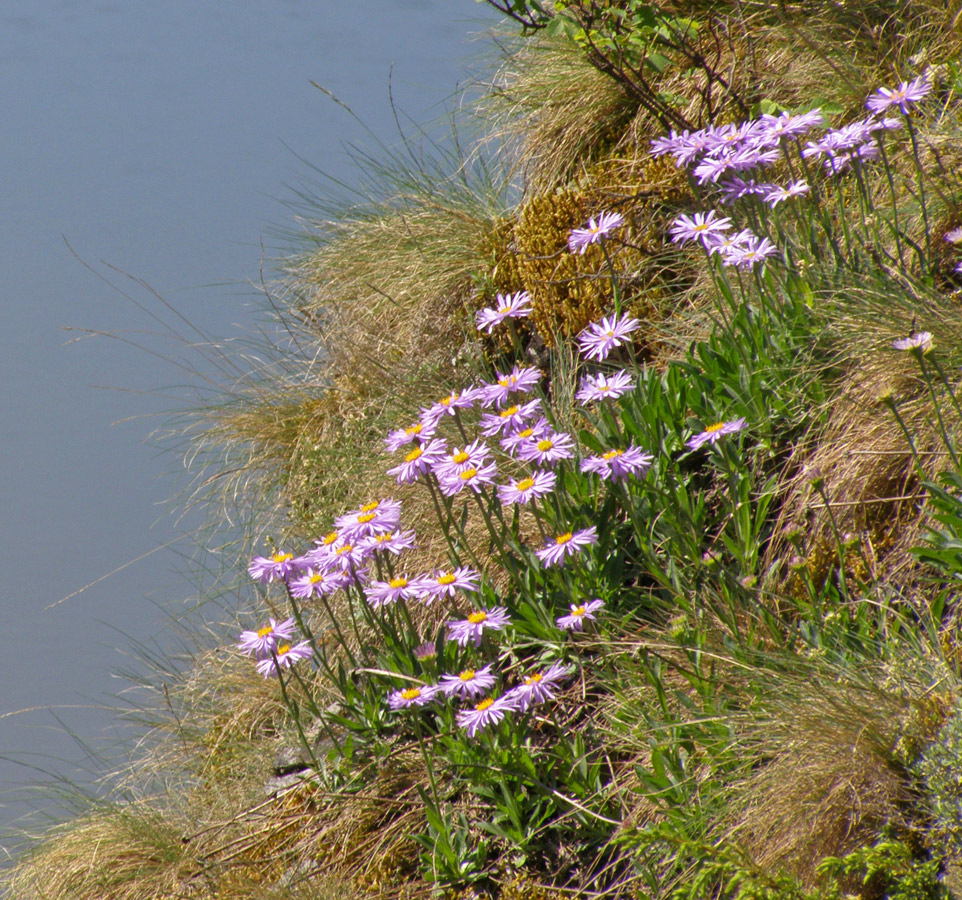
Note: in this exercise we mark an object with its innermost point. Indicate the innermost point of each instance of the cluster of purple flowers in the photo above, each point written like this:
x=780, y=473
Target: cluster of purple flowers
x=271, y=646
x=534, y=689
x=742, y=248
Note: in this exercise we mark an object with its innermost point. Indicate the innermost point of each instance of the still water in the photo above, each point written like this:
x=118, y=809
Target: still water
x=148, y=147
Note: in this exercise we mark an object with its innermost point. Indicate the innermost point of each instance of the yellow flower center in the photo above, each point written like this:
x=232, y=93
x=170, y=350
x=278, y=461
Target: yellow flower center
x=484, y=704
x=366, y=517
x=563, y=538
x=476, y=618
x=578, y=611
x=398, y=582
x=266, y=630
x=701, y=226
x=717, y=426
x=503, y=309
x=447, y=578
x=316, y=577
x=510, y=411
x=504, y=382
x=284, y=648
x=532, y=679
x=447, y=401
x=412, y=430
x=467, y=675
x=460, y=457
x=413, y=455
x=525, y=484
x=282, y=557
x=468, y=474
x=347, y=548
x=526, y=433
x=612, y=454
x=411, y=693
x=545, y=444
x=329, y=539
x=370, y=507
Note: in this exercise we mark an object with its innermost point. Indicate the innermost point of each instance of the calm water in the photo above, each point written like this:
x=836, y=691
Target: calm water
x=155, y=139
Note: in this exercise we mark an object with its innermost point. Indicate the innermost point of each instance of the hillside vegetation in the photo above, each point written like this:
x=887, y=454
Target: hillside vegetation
x=606, y=494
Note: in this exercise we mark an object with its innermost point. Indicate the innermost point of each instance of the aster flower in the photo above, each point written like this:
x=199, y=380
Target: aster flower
x=517, y=381
x=618, y=465
x=537, y=688
x=605, y=387
x=385, y=593
x=473, y=627
x=344, y=555
x=446, y=582
x=448, y=406
x=777, y=194
x=475, y=477
x=317, y=583
x=389, y=542
x=419, y=461
x=260, y=643
x=419, y=431
x=468, y=684
x=549, y=448
x=567, y=544
x=713, y=433
x=460, y=458
x=372, y=518
x=412, y=696
x=283, y=657
x=580, y=613
x=535, y=485
x=751, y=253
x=954, y=236
x=266, y=568
x=774, y=128
x=512, y=418
x=712, y=168
x=512, y=306
x=595, y=231
x=600, y=338
x=736, y=188
x=907, y=93
x=484, y=713
x=725, y=244
x=511, y=442
x=697, y=227
x=920, y=341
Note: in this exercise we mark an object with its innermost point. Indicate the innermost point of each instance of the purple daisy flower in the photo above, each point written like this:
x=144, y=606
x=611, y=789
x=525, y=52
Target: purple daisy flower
x=713, y=433
x=474, y=477
x=907, y=93
x=600, y=338
x=468, y=684
x=372, y=518
x=484, y=713
x=399, y=437
x=266, y=568
x=283, y=657
x=751, y=253
x=460, y=458
x=726, y=244
x=344, y=555
x=549, y=448
x=473, y=627
x=595, y=231
x=317, y=583
x=511, y=442
x=786, y=125
x=777, y=194
x=618, y=465
x=389, y=542
x=535, y=485
x=260, y=643
x=698, y=227
x=605, y=387
x=510, y=419
x=385, y=593
x=517, y=381
x=448, y=406
x=920, y=341
x=446, y=582
x=580, y=613
x=736, y=188
x=567, y=544
x=954, y=236
x=537, y=688
x=412, y=696
x=419, y=461
x=512, y=306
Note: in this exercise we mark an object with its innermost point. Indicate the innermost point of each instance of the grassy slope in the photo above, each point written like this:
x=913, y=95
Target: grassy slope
x=769, y=692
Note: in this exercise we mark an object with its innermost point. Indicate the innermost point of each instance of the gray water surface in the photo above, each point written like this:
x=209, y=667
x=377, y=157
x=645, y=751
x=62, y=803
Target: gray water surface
x=149, y=142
